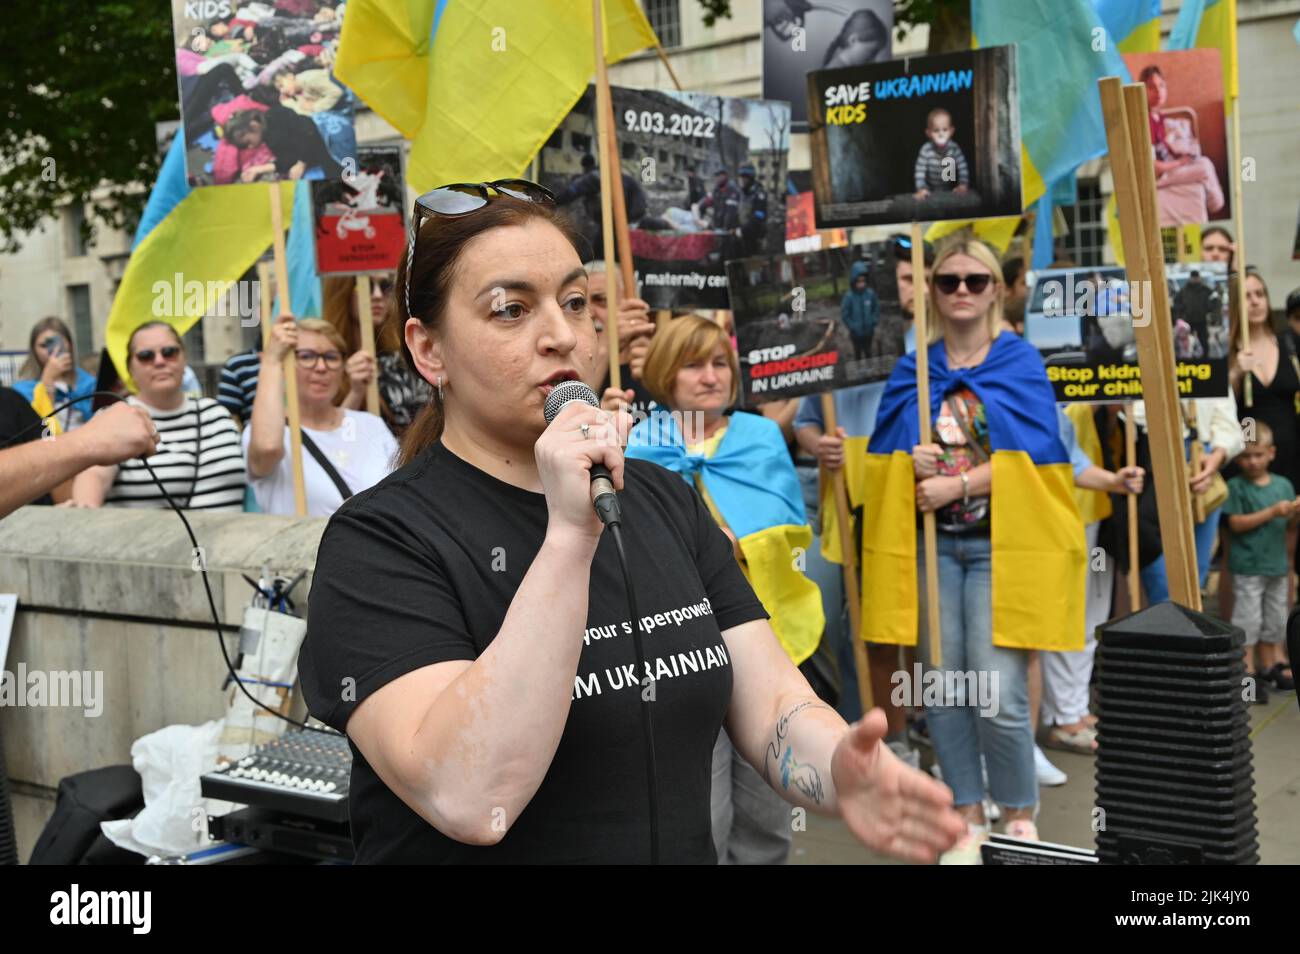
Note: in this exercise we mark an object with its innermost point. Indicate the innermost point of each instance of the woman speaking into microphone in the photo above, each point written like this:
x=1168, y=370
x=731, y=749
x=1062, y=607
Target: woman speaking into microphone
x=469, y=626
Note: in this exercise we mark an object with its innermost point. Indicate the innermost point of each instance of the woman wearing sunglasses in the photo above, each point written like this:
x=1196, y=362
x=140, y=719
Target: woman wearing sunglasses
x=198, y=458
x=402, y=392
x=344, y=451
x=991, y=407
x=469, y=626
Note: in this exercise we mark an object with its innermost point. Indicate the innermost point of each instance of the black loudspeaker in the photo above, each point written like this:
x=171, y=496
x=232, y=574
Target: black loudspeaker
x=1174, y=772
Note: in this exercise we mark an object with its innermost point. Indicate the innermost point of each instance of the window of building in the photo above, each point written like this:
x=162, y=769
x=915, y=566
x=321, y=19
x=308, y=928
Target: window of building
x=193, y=341
x=1085, y=245
x=665, y=18
x=83, y=328
x=74, y=218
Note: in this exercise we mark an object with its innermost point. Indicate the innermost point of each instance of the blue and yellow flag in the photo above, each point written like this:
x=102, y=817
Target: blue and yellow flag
x=1133, y=25
x=1210, y=23
x=1039, y=555
x=750, y=482
x=193, y=244
x=478, y=85
x=1062, y=49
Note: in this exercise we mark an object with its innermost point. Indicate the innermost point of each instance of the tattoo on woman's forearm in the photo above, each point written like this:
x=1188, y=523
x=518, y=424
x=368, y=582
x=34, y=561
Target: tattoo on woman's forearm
x=791, y=771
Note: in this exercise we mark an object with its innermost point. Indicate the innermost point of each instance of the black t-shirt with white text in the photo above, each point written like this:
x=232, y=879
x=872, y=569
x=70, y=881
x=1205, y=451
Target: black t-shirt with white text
x=421, y=569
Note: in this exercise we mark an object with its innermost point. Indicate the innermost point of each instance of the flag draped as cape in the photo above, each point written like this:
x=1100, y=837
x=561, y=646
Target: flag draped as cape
x=1039, y=558
x=752, y=483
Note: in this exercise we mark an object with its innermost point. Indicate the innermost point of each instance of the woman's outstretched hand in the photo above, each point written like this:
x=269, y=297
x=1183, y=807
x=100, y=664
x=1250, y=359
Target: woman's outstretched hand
x=889, y=806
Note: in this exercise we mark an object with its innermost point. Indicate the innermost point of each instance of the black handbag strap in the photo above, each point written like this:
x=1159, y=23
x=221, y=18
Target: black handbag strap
x=310, y=446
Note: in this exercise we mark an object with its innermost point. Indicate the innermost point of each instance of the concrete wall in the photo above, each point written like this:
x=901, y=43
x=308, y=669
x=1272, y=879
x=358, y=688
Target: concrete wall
x=114, y=591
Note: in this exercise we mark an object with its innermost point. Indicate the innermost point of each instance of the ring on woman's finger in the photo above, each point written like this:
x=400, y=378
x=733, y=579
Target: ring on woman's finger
x=584, y=428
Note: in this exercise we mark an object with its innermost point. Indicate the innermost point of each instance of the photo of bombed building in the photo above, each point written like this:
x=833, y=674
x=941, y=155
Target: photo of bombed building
x=703, y=178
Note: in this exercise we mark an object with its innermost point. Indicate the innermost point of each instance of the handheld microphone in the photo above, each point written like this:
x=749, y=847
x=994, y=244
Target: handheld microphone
x=603, y=496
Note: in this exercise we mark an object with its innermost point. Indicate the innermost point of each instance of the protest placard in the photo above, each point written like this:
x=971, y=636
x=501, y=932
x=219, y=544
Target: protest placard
x=1184, y=90
x=917, y=139
x=1082, y=323
x=816, y=321
x=798, y=37
x=704, y=182
x=359, y=218
x=258, y=102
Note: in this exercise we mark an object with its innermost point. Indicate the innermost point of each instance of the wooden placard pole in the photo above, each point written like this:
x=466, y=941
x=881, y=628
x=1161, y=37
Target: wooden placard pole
x=622, y=234
x=1130, y=460
x=928, y=529
x=1128, y=138
x=290, y=360
x=852, y=593
x=1239, y=251
x=1196, y=460
x=367, y=324
x=604, y=112
x=1137, y=116
x=267, y=301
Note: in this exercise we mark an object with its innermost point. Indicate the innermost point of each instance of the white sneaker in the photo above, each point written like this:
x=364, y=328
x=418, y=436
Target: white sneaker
x=1048, y=774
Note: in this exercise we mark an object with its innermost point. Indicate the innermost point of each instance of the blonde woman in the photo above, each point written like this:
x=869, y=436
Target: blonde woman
x=742, y=470
x=990, y=403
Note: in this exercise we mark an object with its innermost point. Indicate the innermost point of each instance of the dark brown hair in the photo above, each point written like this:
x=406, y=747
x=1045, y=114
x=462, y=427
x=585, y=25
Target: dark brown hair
x=442, y=240
x=339, y=308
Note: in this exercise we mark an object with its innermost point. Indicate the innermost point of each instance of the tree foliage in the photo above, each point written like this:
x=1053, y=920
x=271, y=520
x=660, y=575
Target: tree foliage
x=82, y=84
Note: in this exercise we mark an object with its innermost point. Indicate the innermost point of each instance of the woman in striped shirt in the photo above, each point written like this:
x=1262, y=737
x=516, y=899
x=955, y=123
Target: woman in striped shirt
x=198, y=460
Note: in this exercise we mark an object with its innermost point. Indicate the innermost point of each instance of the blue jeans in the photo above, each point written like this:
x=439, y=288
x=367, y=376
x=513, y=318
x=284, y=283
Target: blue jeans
x=998, y=725
x=1154, y=578
x=830, y=580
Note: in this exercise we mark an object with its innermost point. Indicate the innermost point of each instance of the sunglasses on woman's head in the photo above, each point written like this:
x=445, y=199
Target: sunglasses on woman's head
x=147, y=355
x=948, y=283
x=463, y=198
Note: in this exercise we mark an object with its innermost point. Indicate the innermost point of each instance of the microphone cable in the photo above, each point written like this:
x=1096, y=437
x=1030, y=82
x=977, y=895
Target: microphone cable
x=203, y=567
x=647, y=724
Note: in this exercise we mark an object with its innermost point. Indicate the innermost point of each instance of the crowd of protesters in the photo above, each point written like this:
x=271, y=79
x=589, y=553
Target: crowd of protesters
x=167, y=445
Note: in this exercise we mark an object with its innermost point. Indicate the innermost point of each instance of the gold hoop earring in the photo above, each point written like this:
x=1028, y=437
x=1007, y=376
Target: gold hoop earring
x=440, y=387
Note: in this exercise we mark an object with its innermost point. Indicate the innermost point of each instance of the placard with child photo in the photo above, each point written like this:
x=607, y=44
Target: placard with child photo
x=917, y=139
x=258, y=100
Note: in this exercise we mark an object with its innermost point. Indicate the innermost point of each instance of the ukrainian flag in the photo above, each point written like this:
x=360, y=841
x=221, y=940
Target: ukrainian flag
x=1210, y=23
x=1060, y=112
x=750, y=483
x=1133, y=25
x=478, y=85
x=1039, y=556
x=211, y=235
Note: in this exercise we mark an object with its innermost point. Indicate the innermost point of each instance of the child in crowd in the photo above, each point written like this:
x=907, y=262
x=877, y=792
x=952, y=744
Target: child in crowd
x=1259, y=507
x=940, y=165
